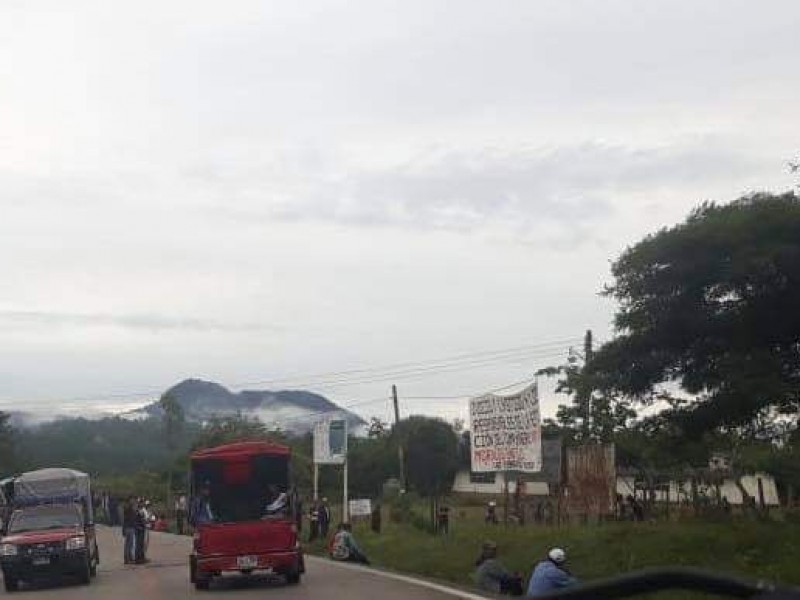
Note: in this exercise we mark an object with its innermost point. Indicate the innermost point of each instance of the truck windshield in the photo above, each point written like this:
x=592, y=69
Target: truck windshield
x=44, y=517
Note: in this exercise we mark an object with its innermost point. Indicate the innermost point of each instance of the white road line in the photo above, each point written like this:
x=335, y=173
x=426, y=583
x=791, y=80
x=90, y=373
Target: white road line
x=404, y=578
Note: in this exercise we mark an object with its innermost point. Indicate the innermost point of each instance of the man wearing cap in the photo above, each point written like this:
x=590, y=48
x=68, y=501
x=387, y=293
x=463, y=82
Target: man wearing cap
x=551, y=574
x=491, y=513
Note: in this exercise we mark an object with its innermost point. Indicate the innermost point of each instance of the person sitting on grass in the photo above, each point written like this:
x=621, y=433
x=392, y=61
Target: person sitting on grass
x=551, y=574
x=492, y=576
x=343, y=546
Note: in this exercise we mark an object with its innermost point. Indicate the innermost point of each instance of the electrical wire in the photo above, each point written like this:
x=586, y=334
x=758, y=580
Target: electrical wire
x=281, y=420
x=399, y=371
x=401, y=366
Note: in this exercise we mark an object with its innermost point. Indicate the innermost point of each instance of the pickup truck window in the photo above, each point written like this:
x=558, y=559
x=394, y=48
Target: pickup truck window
x=44, y=517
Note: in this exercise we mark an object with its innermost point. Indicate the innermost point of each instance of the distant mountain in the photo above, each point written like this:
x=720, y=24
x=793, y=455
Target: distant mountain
x=21, y=419
x=293, y=411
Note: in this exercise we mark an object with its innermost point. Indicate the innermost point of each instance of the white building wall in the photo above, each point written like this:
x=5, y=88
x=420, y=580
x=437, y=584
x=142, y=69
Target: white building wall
x=463, y=485
x=728, y=488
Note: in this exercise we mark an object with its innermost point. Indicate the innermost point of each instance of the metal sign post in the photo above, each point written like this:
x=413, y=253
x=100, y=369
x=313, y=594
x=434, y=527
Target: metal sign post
x=345, y=508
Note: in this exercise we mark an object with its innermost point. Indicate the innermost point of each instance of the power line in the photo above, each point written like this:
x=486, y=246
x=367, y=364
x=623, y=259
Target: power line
x=389, y=399
x=404, y=365
x=403, y=370
x=435, y=370
x=473, y=395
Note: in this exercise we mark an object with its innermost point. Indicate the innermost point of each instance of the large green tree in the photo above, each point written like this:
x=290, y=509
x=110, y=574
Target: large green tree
x=174, y=421
x=712, y=305
x=594, y=414
x=432, y=457
x=432, y=454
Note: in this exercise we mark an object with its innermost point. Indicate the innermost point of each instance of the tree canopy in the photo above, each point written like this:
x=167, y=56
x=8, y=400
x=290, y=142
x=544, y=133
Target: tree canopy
x=8, y=460
x=432, y=454
x=711, y=304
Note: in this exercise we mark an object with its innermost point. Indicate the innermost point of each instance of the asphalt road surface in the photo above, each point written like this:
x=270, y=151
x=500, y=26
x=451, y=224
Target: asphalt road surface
x=166, y=577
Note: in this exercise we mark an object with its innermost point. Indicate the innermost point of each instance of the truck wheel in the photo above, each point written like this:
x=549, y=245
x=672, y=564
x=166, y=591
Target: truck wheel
x=192, y=569
x=86, y=573
x=202, y=582
x=11, y=583
x=293, y=577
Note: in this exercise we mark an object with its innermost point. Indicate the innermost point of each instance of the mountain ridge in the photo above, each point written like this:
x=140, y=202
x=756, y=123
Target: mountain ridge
x=291, y=410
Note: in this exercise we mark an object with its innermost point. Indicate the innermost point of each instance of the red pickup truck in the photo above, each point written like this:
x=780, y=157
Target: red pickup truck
x=244, y=512
x=49, y=527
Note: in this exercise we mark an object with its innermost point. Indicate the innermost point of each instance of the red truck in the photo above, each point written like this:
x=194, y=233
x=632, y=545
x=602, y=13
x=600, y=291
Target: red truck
x=244, y=512
x=48, y=527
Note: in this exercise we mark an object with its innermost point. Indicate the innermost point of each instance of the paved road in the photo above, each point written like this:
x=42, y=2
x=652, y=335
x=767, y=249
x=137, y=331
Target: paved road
x=166, y=577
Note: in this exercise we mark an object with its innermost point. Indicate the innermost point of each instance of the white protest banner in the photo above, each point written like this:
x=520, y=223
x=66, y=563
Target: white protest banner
x=330, y=442
x=506, y=432
x=360, y=508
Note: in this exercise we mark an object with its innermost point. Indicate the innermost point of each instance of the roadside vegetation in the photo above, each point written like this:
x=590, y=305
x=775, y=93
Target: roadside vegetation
x=767, y=550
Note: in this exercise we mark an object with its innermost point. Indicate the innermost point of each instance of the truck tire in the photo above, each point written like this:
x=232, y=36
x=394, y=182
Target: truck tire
x=192, y=569
x=202, y=581
x=85, y=576
x=293, y=577
x=11, y=583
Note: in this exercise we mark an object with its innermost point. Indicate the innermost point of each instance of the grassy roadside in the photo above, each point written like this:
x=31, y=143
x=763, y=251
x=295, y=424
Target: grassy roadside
x=760, y=550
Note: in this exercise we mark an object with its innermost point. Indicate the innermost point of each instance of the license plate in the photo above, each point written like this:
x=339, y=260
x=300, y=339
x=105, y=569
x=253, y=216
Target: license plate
x=42, y=560
x=247, y=562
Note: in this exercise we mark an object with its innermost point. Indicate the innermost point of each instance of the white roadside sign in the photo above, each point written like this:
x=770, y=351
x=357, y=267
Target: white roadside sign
x=360, y=508
x=330, y=441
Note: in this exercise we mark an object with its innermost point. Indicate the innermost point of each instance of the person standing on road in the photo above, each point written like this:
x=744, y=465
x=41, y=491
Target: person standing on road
x=551, y=574
x=129, y=531
x=113, y=510
x=141, y=532
x=313, y=521
x=324, y=517
x=149, y=521
x=180, y=513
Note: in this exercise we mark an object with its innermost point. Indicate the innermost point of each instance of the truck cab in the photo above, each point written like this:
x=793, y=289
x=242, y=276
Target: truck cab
x=49, y=529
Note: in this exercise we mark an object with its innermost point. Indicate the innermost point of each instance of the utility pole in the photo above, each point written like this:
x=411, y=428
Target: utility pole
x=587, y=346
x=400, y=457
x=588, y=352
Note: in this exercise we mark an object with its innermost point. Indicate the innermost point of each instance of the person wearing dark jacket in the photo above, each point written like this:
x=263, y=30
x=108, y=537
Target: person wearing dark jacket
x=129, y=531
x=324, y=517
x=113, y=511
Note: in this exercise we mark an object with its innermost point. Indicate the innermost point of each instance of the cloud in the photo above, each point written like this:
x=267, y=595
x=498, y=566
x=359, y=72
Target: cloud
x=526, y=189
x=11, y=319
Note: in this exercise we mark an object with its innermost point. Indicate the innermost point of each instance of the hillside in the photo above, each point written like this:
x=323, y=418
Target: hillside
x=292, y=411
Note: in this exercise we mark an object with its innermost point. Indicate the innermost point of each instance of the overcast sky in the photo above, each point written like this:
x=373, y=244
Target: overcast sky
x=249, y=191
